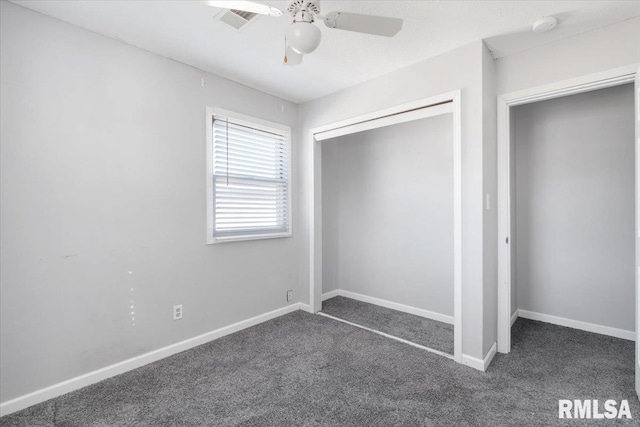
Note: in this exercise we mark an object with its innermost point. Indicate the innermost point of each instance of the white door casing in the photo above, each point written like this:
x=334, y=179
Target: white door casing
x=637, y=117
x=572, y=86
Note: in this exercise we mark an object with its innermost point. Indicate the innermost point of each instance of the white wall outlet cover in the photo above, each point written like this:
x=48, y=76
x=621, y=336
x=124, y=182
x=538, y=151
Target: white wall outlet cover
x=289, y=296
x=177, y=312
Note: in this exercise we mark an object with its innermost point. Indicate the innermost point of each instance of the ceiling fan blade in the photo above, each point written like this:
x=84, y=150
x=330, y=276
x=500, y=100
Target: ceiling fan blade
x=370, y=24
x=292, y=57
x=247, y=6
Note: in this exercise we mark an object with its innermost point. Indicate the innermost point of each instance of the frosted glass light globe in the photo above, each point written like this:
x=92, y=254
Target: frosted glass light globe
x=303, y=37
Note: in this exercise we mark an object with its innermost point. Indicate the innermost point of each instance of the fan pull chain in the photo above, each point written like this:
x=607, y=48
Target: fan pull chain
x=285, y=50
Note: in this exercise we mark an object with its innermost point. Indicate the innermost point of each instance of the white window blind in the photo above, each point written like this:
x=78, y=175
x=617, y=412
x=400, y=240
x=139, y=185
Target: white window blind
x=250, y=180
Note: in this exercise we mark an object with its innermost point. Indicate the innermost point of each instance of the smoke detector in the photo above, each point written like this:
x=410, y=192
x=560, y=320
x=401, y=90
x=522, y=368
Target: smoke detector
x=545, y=24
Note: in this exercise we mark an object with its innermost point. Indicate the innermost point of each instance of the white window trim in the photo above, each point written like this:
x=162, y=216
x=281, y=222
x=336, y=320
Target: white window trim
x=242, y=119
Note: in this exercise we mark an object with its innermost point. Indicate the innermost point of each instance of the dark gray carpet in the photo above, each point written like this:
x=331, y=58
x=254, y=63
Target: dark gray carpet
x=308, y=370
x=419, y=330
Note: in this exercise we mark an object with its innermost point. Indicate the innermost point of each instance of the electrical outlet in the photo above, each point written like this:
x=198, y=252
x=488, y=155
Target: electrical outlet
x=289, y=295
x=177, y=312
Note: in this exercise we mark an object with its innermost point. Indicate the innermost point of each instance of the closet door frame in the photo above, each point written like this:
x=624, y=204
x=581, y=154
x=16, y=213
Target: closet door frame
x=445, y=103
x=586, y=83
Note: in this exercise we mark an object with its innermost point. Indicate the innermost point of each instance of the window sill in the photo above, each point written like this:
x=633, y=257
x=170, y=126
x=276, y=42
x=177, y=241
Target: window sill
x=231, y=239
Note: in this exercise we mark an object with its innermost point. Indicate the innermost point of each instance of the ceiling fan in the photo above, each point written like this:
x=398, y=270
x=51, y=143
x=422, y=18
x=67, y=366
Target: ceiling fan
x=303, y=37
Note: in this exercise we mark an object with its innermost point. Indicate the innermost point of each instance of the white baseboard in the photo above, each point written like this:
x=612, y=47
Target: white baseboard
x=488, y=358
x=76, y=383
x=330, y=294
x=480, y=364
x=305, y=307
x=577, y=324
x=514, y=317
x=395, y=306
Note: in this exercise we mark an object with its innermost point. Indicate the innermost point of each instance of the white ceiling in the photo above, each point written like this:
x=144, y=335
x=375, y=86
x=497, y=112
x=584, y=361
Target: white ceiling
x=187, y=32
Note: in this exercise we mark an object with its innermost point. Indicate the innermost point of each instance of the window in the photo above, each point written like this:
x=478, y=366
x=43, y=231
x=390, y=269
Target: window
x=248, y=195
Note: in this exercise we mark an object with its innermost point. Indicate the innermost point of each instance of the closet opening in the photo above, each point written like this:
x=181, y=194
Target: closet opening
x=570, y=209
x=387, y=224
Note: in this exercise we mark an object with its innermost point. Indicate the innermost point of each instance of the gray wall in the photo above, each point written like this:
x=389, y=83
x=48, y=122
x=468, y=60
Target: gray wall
x=103, y=203
x=575, y=207
x=490, y=213
x=591, y=52
x=331, y=218
x=460, y=69
x=387, y=199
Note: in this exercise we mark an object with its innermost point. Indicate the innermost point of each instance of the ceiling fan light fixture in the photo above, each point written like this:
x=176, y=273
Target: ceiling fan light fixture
x=303, y=37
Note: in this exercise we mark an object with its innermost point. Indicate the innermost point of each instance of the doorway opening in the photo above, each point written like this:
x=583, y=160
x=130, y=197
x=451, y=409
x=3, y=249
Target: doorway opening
x=566, y=208
x=364, y=205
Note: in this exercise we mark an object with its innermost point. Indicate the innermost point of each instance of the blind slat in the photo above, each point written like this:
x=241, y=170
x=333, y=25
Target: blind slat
x=241, y=140
x=233, y=158
x=223, y=169
x=250, y=144
x=254, y=132
x=243, y=136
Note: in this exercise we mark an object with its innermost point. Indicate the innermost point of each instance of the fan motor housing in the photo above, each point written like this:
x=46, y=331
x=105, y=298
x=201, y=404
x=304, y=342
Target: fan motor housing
x=309, y=6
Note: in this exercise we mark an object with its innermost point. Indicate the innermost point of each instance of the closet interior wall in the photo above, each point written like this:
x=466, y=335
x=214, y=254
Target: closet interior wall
x=574, y=207
x=387, y=200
